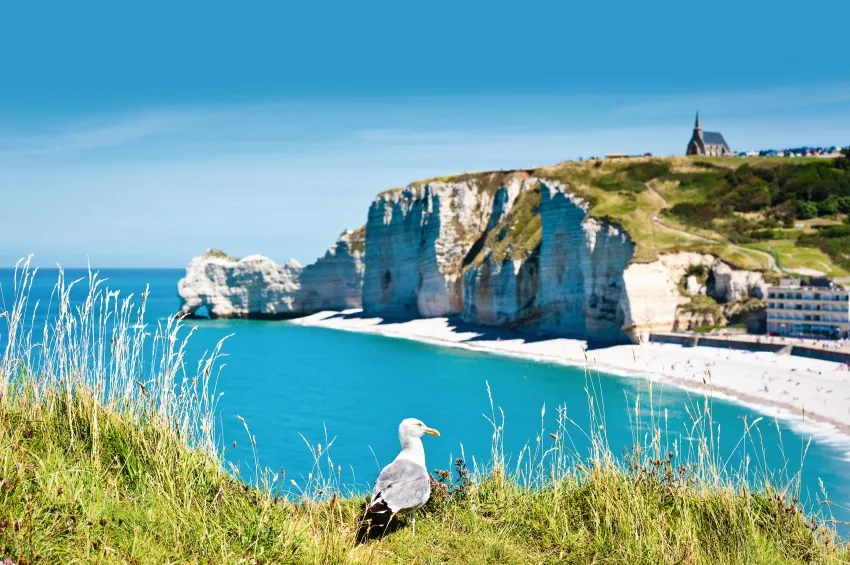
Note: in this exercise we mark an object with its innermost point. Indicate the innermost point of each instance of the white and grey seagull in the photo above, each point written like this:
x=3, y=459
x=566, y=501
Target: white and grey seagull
x=403, y=486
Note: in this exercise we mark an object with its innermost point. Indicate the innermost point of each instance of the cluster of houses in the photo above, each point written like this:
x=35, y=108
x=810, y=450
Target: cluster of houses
x=713, y=143
x=833, y=151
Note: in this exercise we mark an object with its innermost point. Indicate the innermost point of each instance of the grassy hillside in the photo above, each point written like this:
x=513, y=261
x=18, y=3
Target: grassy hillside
x=136, y=495
x=772, y=214
x=108, y=458
x=746, y=210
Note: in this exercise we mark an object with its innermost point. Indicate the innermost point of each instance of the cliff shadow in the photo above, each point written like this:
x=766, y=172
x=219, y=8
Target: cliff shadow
x=495, y=333
x=489, y=333
x=478, y=332
x=383, y=318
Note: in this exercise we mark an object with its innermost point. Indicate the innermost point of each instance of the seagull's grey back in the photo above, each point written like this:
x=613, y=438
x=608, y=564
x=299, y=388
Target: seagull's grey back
x=403, y=485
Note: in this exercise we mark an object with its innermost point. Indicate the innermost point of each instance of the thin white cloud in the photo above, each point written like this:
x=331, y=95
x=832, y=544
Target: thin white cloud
x=97, y=133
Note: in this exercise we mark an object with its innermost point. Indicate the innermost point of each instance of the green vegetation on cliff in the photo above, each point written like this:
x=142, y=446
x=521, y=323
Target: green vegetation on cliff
x=731, y=207
x=109, y=463
x=357, y=239
x=764, y=213
x=519, y=233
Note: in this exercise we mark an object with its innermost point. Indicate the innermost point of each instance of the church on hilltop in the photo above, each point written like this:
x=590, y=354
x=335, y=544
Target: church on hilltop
x=709, y=143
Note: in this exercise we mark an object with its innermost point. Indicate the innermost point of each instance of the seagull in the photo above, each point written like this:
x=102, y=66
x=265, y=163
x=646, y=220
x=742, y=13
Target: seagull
x=403, y=486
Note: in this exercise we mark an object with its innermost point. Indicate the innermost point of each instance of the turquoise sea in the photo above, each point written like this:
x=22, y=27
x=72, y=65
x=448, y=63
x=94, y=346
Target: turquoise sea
x=287, y=381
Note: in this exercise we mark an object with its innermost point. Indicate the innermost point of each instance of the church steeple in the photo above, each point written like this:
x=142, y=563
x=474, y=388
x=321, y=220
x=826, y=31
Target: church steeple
x=709, y=143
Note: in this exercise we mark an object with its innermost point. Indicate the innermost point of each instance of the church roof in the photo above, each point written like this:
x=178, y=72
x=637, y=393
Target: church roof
x=714, y=138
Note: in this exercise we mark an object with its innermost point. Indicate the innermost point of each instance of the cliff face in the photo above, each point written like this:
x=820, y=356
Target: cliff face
x=495, y=249
x=582, y=261
x=252, y=287
x=335, y=281
x=416, y=243
x=510, y=249
x=257, y=287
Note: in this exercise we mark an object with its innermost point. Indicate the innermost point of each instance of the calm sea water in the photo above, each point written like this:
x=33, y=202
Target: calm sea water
x=288, y=381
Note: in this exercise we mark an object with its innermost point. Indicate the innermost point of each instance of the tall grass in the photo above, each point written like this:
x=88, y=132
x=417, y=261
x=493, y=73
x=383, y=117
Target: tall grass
x=103, y=353
x=109, y=454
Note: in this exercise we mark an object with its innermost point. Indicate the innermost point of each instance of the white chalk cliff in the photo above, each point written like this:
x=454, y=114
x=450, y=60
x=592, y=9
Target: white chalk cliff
x=499, y=249
x=511, y=249
x=334, y=282
x=219, y=286
x=251, y=287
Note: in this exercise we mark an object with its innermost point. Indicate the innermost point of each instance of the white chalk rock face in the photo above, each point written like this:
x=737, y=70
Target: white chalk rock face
x=418, y=238
x=252, y=287
x=693, y=286
x=524, y=252
x=503, y=290
x=335, y=281
x=726, y=284
x=393, y=247
x=582, y=261
x=257, y=287
x=497, y=294
x=651, y=299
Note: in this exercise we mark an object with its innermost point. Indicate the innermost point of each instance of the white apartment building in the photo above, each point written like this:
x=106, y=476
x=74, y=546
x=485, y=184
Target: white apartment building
x=817, y=308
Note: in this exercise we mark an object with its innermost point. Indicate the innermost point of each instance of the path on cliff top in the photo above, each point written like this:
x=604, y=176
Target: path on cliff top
x=771, y=262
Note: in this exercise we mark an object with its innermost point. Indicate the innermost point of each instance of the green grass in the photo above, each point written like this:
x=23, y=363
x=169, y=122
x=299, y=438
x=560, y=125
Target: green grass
x=116, y=463
x=633, y=209
x=487, y=182
x=724, y=207
x=702, y=304
x=358, y=240
x=218, y=254
x=519, y=234
x=791, y=255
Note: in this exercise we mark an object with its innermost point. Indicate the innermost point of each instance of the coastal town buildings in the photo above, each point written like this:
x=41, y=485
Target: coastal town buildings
x=708, y=143
x=816, y=308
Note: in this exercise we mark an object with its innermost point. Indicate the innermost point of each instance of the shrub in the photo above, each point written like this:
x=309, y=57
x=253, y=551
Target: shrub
x=834, y=231
x=765, y=234
x=697, y=214
x=806, y=210
x=828, y=207
x=646, y=171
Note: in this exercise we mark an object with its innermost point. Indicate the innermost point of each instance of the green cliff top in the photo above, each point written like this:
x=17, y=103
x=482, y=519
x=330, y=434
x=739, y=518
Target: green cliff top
x=755, y=212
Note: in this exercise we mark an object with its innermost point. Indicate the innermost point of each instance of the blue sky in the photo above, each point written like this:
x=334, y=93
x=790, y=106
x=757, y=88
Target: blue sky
x=141, y=136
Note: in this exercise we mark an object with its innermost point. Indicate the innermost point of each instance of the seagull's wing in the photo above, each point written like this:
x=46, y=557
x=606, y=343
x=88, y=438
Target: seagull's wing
x=402, y=485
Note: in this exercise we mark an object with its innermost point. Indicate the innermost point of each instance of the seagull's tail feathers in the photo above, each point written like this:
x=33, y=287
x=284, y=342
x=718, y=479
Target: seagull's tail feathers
x=375, y=521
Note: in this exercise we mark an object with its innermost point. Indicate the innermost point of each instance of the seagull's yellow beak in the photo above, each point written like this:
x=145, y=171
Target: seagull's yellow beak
x=432, y=432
